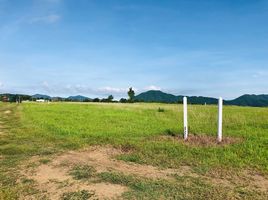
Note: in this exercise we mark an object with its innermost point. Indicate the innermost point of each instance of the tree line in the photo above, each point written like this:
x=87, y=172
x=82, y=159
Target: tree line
x=19, y=98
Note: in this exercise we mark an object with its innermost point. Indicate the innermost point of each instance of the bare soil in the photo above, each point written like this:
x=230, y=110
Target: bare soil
x=103, y=159
x=53, y=178
x=7, y=112
x=49, y=177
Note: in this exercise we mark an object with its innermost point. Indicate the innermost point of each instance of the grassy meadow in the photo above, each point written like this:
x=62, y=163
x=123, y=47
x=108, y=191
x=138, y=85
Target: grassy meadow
x=148, y=136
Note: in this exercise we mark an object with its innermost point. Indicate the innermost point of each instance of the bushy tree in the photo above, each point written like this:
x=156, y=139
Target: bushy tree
x=96, y=100
x=110, y=98
x=131, y=94
x=123, y=100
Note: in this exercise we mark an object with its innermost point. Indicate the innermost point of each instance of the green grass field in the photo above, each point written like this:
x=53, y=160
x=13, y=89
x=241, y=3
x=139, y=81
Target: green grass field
x=149, y=138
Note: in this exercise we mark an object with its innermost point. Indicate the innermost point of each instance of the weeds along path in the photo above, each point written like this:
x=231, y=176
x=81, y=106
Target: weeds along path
x=1, y=122
x=1, y=128
x=1, y=133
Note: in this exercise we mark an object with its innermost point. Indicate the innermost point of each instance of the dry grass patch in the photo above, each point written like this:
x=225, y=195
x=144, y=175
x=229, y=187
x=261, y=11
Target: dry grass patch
x=7, y=111
x=244, y=178
x=1, y=129
x=200, y=140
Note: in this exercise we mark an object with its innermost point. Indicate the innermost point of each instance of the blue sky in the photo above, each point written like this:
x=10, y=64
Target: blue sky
x=101, y=47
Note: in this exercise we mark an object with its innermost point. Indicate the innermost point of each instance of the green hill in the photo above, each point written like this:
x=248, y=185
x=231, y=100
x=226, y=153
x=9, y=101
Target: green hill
x=159, y=96
x=162, y=97
x=41, y=96
x=78, y=98
x=250, y=100
x=156, y=96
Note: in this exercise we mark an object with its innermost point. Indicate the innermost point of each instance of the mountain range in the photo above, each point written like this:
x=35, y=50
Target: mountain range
x=70, y=98
x=78, y=98
x=158, y=96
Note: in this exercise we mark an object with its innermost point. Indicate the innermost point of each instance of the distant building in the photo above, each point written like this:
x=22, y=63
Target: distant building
x=5, y=99
x=41, y=100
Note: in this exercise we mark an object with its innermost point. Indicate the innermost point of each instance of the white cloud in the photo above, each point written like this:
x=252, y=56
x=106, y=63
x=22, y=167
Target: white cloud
x=45, y=84
x=260, y=74
x=152, y=87
x=52, y=18
x=1, y=84
x=113, y=89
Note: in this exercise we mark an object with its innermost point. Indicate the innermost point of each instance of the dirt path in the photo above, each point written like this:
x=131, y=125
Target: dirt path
x=102, y=159
x=51, y=177
x=6, y=112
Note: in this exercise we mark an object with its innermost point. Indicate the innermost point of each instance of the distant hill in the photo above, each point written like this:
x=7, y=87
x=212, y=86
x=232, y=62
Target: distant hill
x=162, y=97
x=159, y=96
x=202, y=100
x=70, y=98
x=78, y=98
x=156, y=96
x=153, y=96
x=250, y=100
x=41, y=96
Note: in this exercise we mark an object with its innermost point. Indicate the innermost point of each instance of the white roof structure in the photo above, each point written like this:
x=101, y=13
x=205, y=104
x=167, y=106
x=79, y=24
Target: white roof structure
x=41, y=100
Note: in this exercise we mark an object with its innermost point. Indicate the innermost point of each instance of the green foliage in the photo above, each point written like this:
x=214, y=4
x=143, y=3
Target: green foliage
x=185, y=187
x=14, y=97
x=110, y=98
x=79, y=195
x=161, y=109
x=123, y=100
x=44, y=161
x=170, y=133
x=131, y=94
x=82, y=172
x=96, y=100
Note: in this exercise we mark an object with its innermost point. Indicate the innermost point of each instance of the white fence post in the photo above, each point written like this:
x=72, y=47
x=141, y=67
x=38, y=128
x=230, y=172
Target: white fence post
x=220, y=119
x=185, y=119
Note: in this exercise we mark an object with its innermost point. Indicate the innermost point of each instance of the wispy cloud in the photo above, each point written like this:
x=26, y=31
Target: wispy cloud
x=112, y=90
x=9, y=29
x=260, y=74
x=75, y=89
x=152, y=87
x=51, y=18
x=1, y=84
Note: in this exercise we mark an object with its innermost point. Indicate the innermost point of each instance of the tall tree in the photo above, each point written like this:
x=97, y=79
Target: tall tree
x=110, y=98
x=131, y=94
